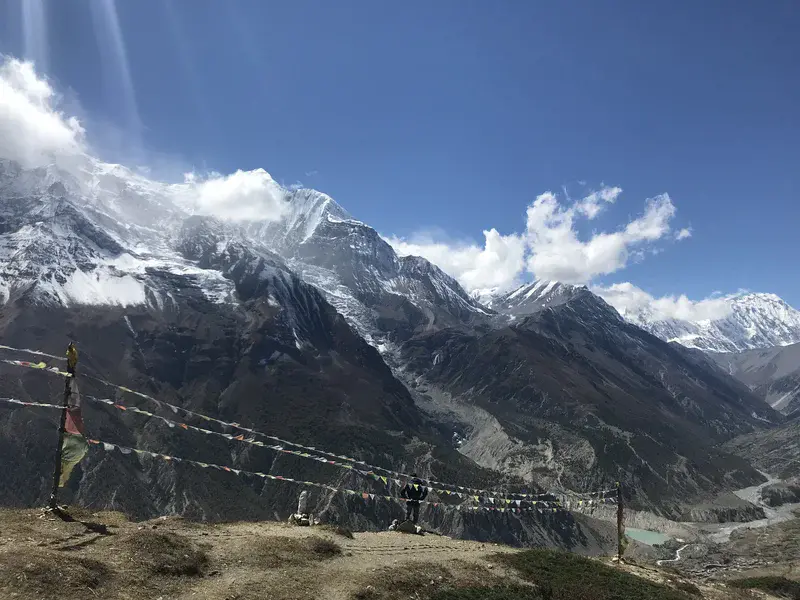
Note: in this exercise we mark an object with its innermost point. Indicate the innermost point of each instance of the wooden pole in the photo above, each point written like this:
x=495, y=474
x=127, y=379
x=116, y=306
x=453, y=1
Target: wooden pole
x=57, y=468
x=620, y=526
x=61, y=429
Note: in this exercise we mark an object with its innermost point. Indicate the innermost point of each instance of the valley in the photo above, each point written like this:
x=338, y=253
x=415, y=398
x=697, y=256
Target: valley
x=314, y=329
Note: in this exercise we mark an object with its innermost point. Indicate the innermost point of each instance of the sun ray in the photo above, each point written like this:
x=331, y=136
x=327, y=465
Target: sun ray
x=187, y=63
x=114, y=56
x=34, y=31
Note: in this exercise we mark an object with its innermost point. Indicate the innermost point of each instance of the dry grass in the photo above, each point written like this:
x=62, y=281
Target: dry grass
x=47, y=574
x=277, y=552
x=323, y=548
x=425, y=581
x=166, y=553
x=686, y=586
x=336, y=530
x=404, y=581
x=170, y=558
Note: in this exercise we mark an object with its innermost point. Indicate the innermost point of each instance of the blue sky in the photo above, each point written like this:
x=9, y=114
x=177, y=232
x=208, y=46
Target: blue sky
x=452, y=117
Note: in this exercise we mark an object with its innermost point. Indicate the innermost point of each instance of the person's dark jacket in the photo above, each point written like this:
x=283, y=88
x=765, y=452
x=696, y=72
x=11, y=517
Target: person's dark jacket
x=412, y=493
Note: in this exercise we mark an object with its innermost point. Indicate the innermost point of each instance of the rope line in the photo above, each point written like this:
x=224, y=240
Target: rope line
x=34, y=352
x=109, y=447
x=498, y=504
x=23, y=403
x=240, y=438
x=433, y=484
x=39, y=366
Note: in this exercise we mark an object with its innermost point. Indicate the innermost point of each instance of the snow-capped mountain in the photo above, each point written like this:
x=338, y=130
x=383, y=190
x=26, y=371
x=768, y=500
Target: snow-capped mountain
x=772, y=373
x=279, y=317
x=385, y=296
x=90, y=239
x=755, y=321
x=529, y=298
x=95, y=236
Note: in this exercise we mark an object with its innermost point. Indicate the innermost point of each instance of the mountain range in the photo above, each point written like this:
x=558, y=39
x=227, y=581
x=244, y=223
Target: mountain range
x=754, y=321
x=772, y=373
x=311, y=327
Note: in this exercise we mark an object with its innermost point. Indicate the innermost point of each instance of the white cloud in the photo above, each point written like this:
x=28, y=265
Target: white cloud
x=35, y=132
x=634, y=302
x=591, y=205
x=241, y=196
x=550, y=247
x=556, y=252
x=32, y=131
x=499, y=263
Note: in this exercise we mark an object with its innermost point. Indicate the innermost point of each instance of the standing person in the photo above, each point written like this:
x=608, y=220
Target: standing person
x=72, y=358
x=414, y=492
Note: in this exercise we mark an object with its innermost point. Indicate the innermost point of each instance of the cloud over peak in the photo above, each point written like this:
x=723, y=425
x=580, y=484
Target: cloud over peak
x=499, y=263
x=557, y=253
x=240, y=196
x=635, y=303
x=33, y=132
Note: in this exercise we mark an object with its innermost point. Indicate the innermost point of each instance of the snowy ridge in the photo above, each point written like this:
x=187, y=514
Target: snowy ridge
x=103, y=235
x=773, y=373
x=90, y=241
x=357, y=270
x=530, y=297
x=755, y=321
x=307, y=210
x=361, y=318
x=417, y=276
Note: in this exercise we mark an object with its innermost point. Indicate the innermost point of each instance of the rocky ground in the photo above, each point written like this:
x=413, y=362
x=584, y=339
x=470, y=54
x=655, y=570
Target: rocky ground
x=103, y=555
x=773, y=550
x=778, y=494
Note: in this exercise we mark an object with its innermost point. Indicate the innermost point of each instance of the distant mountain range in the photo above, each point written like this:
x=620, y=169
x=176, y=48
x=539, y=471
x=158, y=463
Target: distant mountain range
x=312, y=327
x=755, y=321
x=772, y=373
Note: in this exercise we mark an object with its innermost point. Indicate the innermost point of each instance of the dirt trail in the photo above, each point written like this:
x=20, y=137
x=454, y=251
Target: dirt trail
x=677, y=556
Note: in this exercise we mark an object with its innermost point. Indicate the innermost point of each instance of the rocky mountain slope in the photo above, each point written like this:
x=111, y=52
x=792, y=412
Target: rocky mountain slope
x=755, y=321
x=772, y=373
x=573, y=395
x=312, y=328
x=775, y=451
x=386, y=297
x=195, y=313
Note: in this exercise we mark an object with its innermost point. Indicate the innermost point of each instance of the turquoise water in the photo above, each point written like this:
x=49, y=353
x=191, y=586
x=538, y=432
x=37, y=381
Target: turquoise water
x=646, y=536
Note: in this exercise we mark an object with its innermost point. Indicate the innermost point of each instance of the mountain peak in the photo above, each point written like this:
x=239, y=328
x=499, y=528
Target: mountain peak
x=756, y=297
x=530, y=297
x=755, y=320
x=306, y=211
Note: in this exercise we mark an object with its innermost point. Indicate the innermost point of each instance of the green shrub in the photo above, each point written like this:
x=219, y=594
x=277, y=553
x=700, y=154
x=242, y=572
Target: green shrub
x=773, y=584
x=563, y=576
x=505, y=592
